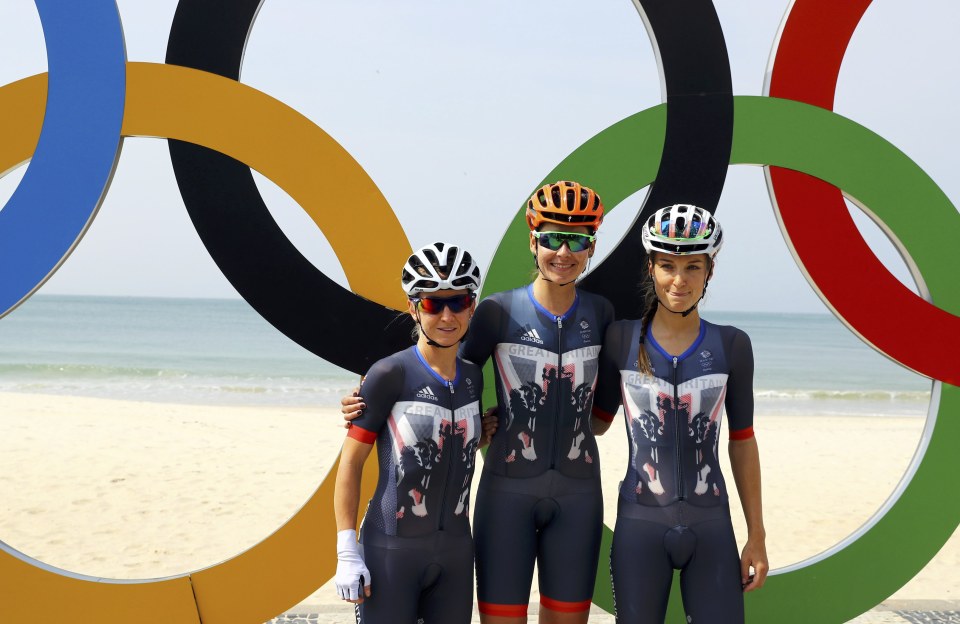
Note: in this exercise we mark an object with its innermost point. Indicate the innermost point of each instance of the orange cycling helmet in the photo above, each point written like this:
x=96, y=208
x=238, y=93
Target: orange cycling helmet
x=565, y=203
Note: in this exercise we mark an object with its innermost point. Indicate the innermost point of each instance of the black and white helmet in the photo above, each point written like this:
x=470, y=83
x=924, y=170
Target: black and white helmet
x=439, y=267
x=681, y=230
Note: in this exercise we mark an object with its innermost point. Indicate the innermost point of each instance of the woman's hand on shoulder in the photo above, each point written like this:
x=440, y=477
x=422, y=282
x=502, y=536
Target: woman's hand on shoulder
x=352, y=406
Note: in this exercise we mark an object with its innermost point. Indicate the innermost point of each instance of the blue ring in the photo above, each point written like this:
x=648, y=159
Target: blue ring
x=77, y=149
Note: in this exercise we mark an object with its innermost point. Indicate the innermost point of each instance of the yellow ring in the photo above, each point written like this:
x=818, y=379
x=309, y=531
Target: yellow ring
x=169, y=101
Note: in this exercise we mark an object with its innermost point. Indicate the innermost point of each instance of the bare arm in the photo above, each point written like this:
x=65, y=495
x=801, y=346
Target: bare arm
x=352, y=579
x=745, y=462
x=346, y=494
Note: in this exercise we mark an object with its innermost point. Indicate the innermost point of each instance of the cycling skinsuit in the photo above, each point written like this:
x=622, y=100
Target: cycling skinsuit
x=416, y=532
x=539, y=497
x=673, y=508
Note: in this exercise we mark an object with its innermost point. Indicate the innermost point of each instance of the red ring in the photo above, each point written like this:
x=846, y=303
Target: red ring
x=806, y=66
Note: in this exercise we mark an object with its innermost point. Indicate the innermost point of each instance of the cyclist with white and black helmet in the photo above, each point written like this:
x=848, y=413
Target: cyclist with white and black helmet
x=675, y=373
x=423, y=409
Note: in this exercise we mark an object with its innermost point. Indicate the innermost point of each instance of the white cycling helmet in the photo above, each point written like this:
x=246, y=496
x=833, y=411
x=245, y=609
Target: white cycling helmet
x=425, y=270
x=681, y=230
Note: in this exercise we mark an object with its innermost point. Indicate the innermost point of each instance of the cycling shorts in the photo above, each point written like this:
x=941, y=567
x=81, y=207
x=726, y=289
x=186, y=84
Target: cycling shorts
x=427, y=579
x=552, y=519
x=649, y=543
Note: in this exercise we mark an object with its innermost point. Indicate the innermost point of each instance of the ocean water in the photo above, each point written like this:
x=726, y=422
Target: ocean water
x=206, y=351
x=212, y=351
x=811, y=363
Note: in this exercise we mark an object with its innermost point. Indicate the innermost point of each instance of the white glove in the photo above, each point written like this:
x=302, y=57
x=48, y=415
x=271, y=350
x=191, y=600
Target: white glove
x=352, y=573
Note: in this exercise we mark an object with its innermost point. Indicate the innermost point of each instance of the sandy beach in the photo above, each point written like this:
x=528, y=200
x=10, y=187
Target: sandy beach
x=144, y=490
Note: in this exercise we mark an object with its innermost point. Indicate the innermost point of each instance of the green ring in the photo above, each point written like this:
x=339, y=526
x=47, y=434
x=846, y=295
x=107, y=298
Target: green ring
x=623, y=159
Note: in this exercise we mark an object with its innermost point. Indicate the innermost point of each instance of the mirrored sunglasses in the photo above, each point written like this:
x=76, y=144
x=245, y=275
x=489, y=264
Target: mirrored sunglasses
x=435, y=305
x=555, y=240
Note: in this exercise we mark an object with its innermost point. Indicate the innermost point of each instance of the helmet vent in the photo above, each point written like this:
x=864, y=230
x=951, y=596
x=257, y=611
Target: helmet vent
x=681, y=227
x=555, y=196
x=542, y=198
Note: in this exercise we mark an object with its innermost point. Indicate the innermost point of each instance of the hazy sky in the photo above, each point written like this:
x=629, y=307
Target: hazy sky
x=456, y=112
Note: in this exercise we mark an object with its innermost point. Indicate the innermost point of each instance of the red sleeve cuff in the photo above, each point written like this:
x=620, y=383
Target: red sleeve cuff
x=361, y=435
x=741, y=434
x=602, y=415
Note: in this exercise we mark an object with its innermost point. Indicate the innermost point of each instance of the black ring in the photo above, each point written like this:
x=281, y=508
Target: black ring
x=242, y=236
x=316, y=312
x=695, y=69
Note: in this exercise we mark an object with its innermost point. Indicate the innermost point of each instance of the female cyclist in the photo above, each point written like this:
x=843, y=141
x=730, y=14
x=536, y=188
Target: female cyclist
x=423, y=409
x=539, y=498
x=675, y=373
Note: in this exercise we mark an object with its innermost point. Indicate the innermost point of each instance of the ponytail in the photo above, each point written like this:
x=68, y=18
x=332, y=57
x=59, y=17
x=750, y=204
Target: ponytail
x=650, y=310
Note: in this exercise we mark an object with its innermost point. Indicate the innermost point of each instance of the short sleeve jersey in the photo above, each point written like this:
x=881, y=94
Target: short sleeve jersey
x=427, y=430
x=673, y=417
x=545, y=368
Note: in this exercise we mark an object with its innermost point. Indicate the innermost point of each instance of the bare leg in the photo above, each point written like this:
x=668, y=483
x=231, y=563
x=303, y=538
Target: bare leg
x=500, y=619
x=549, y=616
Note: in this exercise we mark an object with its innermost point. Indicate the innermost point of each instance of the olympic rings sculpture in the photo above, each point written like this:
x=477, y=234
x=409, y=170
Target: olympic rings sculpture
x=808, y=151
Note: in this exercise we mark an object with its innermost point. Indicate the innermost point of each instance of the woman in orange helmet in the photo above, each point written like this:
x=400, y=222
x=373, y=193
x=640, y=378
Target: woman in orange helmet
x=539, y=498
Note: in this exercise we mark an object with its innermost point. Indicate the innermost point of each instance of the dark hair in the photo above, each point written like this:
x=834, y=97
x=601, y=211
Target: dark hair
x=650, y=304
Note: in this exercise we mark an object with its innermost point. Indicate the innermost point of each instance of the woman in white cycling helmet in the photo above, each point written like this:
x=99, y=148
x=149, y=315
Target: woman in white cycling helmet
x=414, y=560
x=675, y=374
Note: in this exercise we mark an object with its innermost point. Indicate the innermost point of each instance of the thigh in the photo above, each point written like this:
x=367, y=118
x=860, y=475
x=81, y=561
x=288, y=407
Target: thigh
x=710, y=583
x=395, y=586
x=506, y=543
x=569, y=547
x=450, y=599
x=641, y=571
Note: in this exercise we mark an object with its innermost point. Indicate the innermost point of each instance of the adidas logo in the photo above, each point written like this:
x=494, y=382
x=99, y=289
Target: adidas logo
x=530, y=335
x=426, y=393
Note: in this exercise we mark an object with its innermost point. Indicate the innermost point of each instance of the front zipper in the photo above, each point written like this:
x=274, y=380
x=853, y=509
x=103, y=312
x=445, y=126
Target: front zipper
x=559, y=419
x=446, y=484
x=678, y=437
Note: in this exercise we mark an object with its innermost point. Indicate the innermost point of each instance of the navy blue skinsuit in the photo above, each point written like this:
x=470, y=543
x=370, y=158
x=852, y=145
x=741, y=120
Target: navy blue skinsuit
x=416, y=532
x=673, y=508
x=539, y=497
